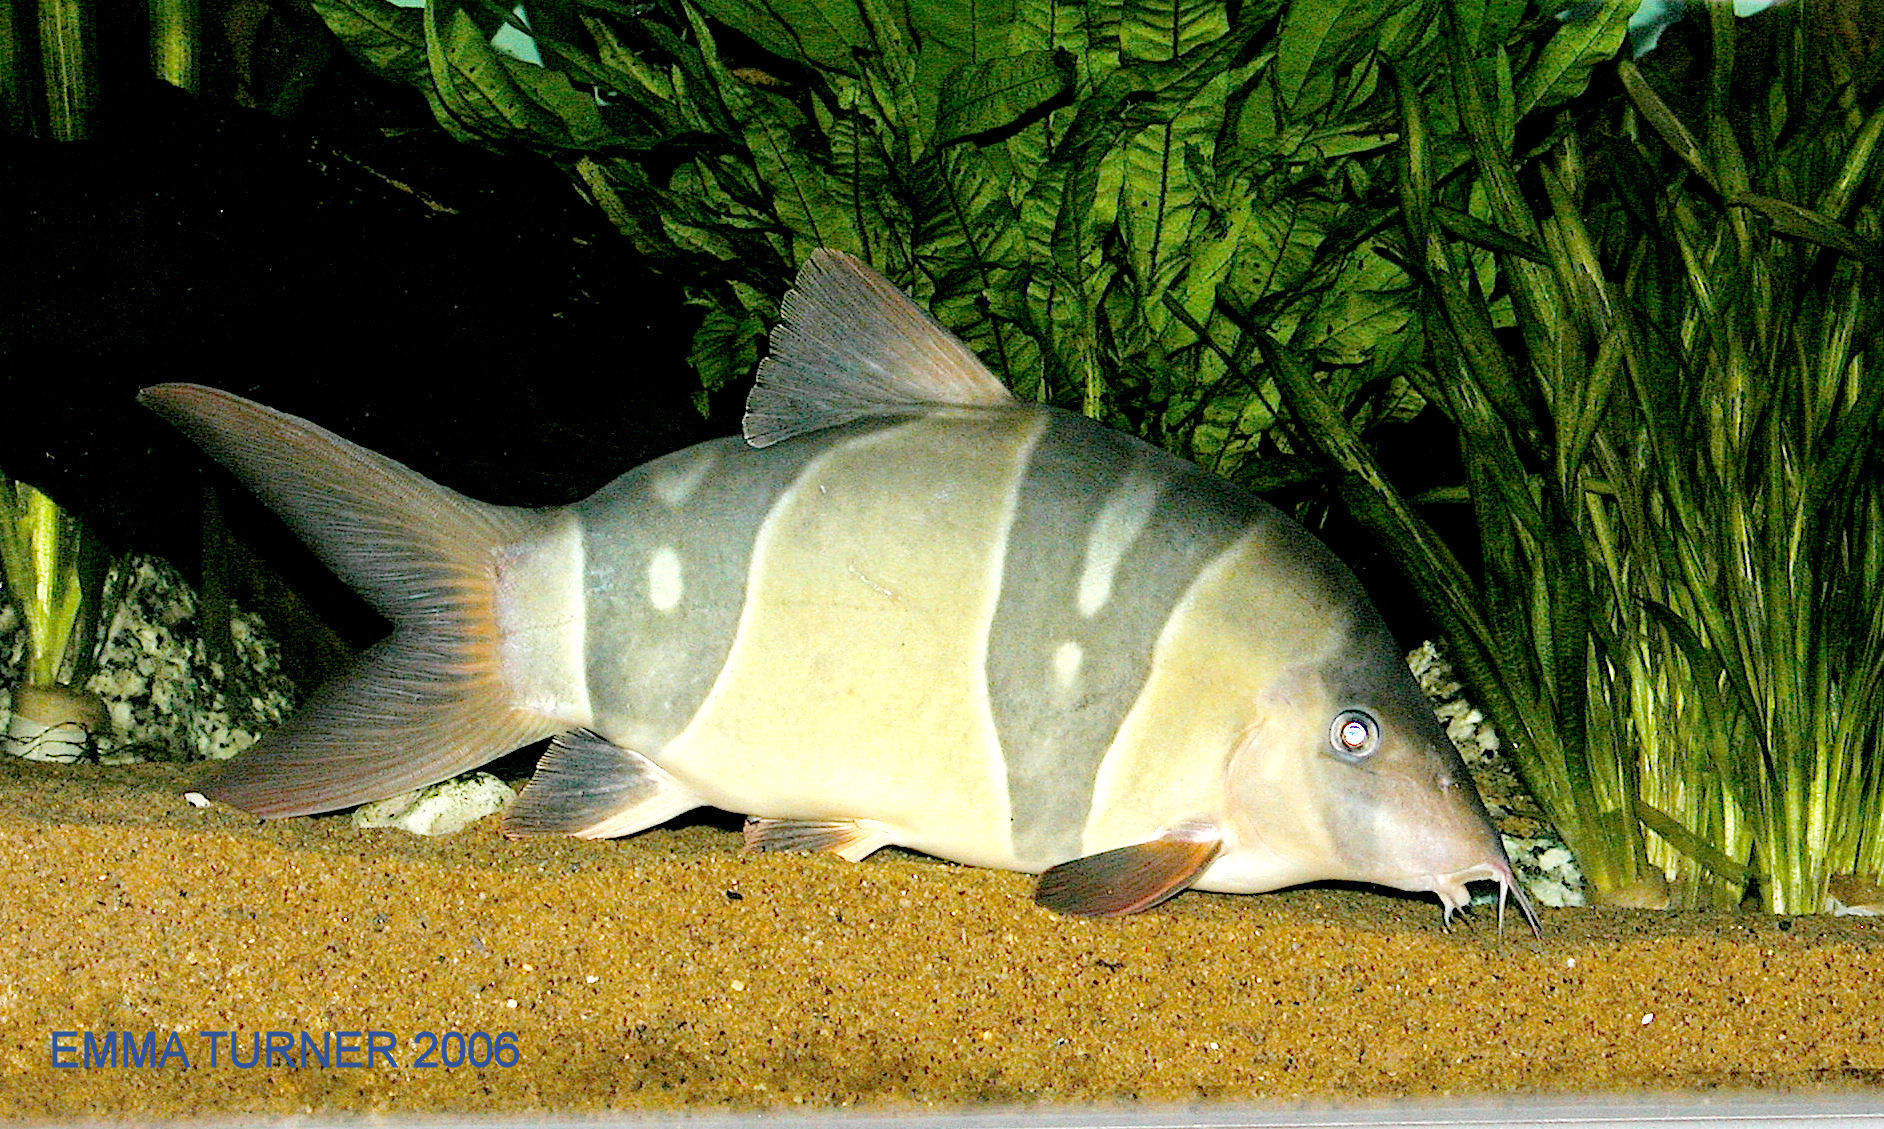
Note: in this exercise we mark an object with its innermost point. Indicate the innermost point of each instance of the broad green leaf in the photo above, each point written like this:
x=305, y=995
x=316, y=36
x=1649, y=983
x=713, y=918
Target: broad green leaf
x=631, y=77
x=715, y=354
x=1086, y=29
x=893, y=80
x=709, y=216
x=1130, y=99
x=387, y=38
x=1366, y=304
x=1229, y=432
x=801, y=186
x=1211, y=256
x=968, y=241
x=726, y=346
x=1562, y=69
x=823, y=34
x=1488, y=23
x=861, y=171
x=1278, y=250
x=1062, y=308
x=700, y=75
x=492, y=93
x=994, y=94
x=955, y=34
x=1158, y=202
x=579, y=120
x=1158, y=31
x=1318, y=37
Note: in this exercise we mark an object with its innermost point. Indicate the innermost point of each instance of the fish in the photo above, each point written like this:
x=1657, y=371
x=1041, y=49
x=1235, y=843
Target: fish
x=902, y=608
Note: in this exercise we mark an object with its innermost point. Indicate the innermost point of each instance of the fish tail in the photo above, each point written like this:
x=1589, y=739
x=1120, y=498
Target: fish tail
x=432, y=699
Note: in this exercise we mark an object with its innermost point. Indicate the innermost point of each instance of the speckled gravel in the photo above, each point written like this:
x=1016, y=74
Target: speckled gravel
x=666, y=972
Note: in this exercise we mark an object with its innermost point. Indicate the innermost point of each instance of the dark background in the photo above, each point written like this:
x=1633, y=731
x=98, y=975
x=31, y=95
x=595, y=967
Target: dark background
x=339, y=257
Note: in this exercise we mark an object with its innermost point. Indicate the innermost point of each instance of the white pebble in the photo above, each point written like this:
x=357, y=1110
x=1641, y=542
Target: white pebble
x=442, y=809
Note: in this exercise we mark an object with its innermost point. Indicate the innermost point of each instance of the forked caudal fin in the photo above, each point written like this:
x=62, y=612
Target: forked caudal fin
x=432, y=699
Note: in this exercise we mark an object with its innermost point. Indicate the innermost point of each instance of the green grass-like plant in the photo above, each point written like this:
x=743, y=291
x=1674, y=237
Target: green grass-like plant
x=1662, y=367
x=1756, y=403
x=54, y=573
x=48, y=68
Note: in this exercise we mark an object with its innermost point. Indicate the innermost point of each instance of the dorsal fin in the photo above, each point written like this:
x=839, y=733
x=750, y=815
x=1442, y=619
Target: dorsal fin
x=849, y=344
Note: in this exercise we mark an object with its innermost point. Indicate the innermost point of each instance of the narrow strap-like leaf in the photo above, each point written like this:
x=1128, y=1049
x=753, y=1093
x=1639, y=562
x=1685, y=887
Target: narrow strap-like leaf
x=1804, y=223
x=1477, y=232
x=1690, y=844
x=1667, y=124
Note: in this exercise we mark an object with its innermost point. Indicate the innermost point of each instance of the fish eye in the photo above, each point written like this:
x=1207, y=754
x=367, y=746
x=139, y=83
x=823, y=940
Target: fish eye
x=1354, y=733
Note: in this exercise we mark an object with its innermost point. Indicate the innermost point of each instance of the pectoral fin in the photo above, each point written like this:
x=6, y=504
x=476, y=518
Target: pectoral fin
x=1128, y=879
x=592, y=788
x=847, y=839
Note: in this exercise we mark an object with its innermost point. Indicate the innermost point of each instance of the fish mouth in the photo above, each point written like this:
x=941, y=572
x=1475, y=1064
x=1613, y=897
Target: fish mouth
x=1453, y=894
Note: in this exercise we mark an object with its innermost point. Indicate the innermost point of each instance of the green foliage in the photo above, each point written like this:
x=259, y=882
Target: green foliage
x=176, y=42
x=1101, y=197
x=48, y=68
x=54, y=572
x=1753, y=416
x=1662, y=364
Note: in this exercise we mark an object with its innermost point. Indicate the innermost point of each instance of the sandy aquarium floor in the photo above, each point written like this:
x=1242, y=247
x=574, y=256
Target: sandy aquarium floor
x=478, y=975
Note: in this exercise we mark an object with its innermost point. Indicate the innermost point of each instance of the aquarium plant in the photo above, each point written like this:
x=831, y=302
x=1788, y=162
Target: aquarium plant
x=48, y=68
x=1755, y=402
x=62, y=62
x=55, y=573
x=1097, y=196
x=1659, y=347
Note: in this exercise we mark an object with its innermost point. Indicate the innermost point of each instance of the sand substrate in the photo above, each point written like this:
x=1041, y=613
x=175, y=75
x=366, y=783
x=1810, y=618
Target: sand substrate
x=665, y=971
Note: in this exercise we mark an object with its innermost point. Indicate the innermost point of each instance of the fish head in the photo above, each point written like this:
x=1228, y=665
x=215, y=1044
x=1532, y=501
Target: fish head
x=1346, y=774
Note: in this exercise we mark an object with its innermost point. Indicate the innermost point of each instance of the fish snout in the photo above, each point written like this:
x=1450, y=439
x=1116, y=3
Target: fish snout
x=1456, y=844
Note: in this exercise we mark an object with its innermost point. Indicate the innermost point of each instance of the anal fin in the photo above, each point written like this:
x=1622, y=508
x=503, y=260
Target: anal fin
x=850, y=839
x=1131, y=878
x=592, y=788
